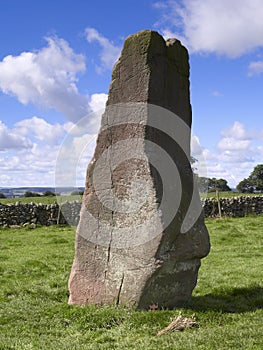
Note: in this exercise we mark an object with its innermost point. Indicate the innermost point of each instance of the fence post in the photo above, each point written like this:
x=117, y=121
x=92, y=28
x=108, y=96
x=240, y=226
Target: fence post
x=218, y=203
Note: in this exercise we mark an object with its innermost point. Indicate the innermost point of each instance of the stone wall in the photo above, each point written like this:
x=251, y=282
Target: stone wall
x=234, y=207
x=43, y=214
x=51, y=214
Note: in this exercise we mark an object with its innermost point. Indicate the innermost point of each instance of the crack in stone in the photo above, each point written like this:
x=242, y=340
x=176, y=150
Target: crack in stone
x=119, y=291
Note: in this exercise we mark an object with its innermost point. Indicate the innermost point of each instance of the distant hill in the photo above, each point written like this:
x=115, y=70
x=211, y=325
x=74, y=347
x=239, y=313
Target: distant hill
x=18, y=192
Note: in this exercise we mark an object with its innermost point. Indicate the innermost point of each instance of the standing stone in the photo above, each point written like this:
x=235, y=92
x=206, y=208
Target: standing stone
x=141, y=233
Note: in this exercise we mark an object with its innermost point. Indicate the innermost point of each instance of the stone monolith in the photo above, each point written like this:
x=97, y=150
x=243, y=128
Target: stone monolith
x=141, y=233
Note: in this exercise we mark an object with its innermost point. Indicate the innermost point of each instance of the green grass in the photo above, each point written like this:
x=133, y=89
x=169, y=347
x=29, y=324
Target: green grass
x=51, y=200
x=43, y=200
x=228, y=194
x=227, y=302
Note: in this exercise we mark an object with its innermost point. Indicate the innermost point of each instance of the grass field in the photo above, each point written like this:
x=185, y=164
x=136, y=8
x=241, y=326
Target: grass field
x=227, y=302
x=228, y=194
x=50, y=199
x=43, y=200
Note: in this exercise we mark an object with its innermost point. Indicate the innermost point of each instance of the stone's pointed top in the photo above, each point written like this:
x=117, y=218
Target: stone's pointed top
x=145, y=32
x=149, y=39
x=152, y=70
x=152, y=33
x=143, y=42
x=172, y=41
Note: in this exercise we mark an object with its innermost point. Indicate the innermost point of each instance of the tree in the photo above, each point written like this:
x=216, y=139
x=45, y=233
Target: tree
x=256, y=177
x=245, y=186
x=2, y=195
x=206, y=184
x=192, y=161
x=202, y=183
x=48, y=194
x=31, y=194
x=218, y=184
x=222, y=185
x=254, y=182
x=76, y=192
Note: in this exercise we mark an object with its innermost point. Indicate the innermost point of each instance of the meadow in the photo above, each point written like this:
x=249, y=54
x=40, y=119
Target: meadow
x=64, y=198
x=34, y=314
x=228, y=194
x=41, y=199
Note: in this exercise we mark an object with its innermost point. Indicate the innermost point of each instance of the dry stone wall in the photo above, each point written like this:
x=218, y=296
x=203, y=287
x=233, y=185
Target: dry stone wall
x=51, y=214
x=234, y=207
x=42, y=214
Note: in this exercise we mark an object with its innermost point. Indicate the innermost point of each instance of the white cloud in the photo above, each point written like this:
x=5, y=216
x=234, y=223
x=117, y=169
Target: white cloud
x=230, y=28
x=11, y=140
x=196, y=148
x=109, y=51
x=30, y=167
x=255, y=68
x=233, y=144
x=30, y=150
x=216, y=93
x=97, y=102
x=237, y=131
x=235, y=155
x=238, y=145
x=46, y=77
x=32, y=147
x=41, y=130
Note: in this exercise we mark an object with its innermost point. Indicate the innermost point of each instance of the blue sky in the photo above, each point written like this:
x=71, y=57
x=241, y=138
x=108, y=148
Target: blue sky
x=56, y=59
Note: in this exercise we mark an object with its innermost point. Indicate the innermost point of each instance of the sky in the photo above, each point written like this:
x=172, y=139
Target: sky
x=56, y=60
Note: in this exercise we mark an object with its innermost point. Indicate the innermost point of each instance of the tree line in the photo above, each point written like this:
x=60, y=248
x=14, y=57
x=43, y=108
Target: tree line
x=47, y=193
x=252, y=184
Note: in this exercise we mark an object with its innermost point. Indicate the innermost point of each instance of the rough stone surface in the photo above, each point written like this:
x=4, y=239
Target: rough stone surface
x=127, y=251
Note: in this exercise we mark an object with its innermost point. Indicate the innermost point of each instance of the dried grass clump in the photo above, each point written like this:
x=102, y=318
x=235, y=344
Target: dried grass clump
x=178, y=324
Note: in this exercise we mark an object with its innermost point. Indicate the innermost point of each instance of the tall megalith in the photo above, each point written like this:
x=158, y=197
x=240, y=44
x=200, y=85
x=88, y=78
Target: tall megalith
x=141, y=234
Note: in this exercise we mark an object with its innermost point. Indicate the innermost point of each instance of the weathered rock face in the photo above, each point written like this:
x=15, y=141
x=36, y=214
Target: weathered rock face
x=141, y=233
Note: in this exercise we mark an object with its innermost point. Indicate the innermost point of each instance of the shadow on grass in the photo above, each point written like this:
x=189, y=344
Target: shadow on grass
x=233, y=300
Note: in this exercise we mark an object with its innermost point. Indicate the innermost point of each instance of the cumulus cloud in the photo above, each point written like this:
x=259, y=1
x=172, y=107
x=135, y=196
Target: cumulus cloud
x=229, y=28
x=200, y=166
x=109, y=52
x=30, y=151
x=237, y=131
x=40, y=129
x=255, y=68
x=31, y=148
x=97, y=104
x=98, y=101
x=237, y=146
x=235, y=155
x=196, y=148
x=9, y=140
x=46, y=77
x=233, y=144
x=29, y=167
